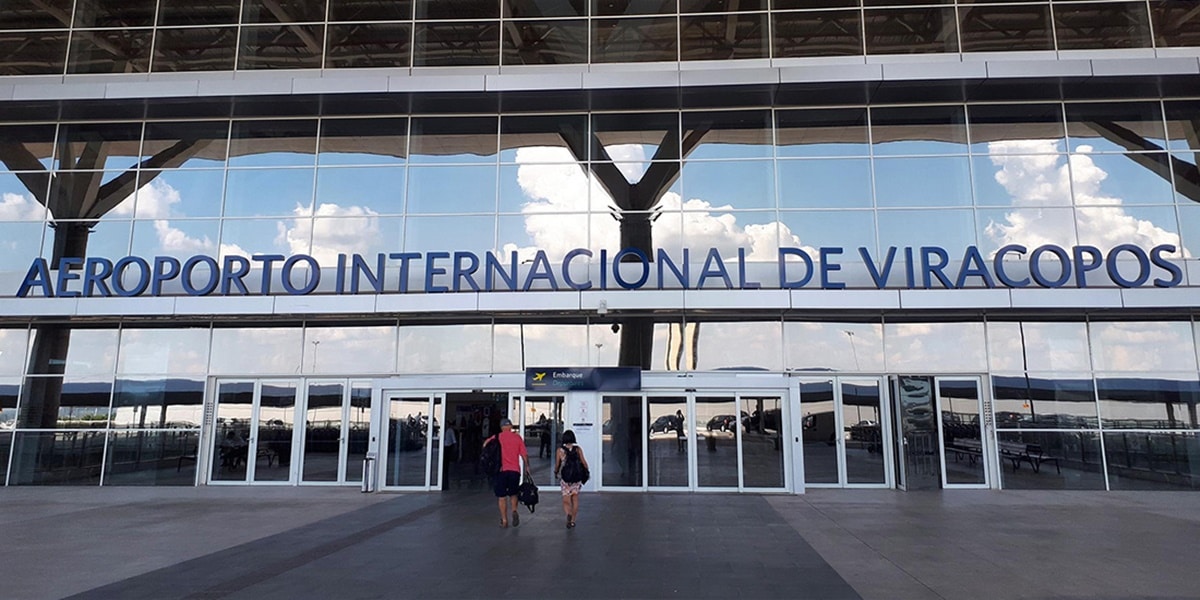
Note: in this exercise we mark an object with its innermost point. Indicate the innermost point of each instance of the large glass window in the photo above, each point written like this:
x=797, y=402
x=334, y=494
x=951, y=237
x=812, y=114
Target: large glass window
x=254, y=351
x=57, y=458
x=812, y=346
x=1152, y=461
x=936, y=347
x=1094, y=25
x=1005, y=28
x=1049, y=402
x=463, y=348
x=1050, y=460
x=151, y=458
x=163, y=403
x=350, y=350
x=1149, y=402
x=1031, y=346
x=1134, y=345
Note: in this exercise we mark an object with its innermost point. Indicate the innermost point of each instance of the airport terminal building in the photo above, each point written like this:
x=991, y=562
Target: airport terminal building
x=735, y=245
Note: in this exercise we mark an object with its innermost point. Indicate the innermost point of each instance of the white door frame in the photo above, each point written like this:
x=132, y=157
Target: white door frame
x=255, y=414
x=987, y=442
x=839, y=427
x=343, y=431
x=738, y=385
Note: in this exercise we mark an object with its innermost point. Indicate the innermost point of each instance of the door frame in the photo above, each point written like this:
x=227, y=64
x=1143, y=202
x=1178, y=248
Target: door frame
x=839, y=427
x=435, y=403
x=343, y=465
x=986, y=432
x=213, y=442
x=432, y=387
x=738, y=384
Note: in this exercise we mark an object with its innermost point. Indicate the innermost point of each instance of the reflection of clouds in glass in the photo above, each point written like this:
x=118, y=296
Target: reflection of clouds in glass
x=1140, y=346
x=556, y=189
x=350, y=349
x=837, y=346
x=940, y=347
x=1047, y=346
x=348, y=229
x=12, y=351
x=448, y=349
x=163, y=351
x=735, y=345
x=252, y=351
x=91, y=351
x=336, y=230
x=156, y=201
x=560, y=345
x=20, y=207
x=1040, y=179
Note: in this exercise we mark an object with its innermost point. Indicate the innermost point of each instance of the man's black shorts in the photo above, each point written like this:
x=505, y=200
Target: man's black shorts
x=507, y=483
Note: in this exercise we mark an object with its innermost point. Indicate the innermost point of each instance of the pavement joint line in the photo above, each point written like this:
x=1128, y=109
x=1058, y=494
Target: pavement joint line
x=865, y=543
x=279, y=567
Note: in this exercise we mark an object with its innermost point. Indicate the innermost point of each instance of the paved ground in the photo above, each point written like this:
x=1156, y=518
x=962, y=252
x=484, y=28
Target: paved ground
x=337, y=543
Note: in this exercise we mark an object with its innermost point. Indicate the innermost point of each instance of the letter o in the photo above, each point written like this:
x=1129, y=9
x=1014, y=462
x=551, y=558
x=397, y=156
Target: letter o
x=1035, y=268
x=119, y=271
x=313, y=268
x=189, y=266
x=1143, y=261
x=616, y=267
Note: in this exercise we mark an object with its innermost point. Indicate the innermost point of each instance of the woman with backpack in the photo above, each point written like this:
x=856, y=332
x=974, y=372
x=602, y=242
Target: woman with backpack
x=572, y=467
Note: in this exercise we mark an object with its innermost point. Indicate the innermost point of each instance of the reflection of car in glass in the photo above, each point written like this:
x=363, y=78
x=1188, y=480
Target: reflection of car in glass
x=664, y=424
x=867, y=432
x=606, y=428
x=726, y=422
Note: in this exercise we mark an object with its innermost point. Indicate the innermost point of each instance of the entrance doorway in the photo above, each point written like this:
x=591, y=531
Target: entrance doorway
x=337, y=427
x=473, y=417
x=942, y=433
x=845, y=441
x=694, y=441
x=543, y=419
x=253, y=441
x=256, y=439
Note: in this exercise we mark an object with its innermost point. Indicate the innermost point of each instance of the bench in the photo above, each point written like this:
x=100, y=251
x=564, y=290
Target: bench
x=1016, y=453
x=971, y=449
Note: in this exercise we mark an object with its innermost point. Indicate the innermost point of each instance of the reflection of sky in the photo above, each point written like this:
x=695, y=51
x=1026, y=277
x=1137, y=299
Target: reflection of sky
x=1020, y=178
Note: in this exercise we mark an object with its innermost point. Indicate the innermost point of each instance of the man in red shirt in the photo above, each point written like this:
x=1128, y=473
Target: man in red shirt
x=512, y=450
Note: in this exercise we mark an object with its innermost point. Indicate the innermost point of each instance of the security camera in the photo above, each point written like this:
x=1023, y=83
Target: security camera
x=616, y=327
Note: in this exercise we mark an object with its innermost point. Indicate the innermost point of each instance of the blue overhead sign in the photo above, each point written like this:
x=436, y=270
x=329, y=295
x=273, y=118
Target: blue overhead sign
x=599, y=379
x=925, y=267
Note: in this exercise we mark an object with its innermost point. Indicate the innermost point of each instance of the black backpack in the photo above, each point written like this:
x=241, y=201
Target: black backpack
x=573, y=470
x=490, y=458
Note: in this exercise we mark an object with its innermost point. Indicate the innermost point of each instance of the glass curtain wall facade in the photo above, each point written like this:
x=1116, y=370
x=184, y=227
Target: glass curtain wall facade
x=149, y=36
x=869, y=124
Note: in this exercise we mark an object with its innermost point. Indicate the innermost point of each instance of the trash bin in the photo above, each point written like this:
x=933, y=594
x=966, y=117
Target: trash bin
x=368, y=480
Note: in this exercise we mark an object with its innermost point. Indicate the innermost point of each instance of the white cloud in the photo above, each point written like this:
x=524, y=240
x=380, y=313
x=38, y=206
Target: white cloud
x=20, y=207
x=561, y=196
x=337, y=230
x=1040, y=181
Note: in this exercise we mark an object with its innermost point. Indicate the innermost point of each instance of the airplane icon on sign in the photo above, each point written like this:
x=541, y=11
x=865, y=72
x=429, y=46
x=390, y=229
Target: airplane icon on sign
x=539, y=376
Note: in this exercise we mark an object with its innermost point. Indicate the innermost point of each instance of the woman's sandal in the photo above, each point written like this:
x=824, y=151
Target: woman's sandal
x=503, y=524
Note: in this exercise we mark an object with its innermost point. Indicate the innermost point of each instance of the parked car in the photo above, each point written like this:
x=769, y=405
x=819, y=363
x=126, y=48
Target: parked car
x=726, y=422
x=664, y=424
